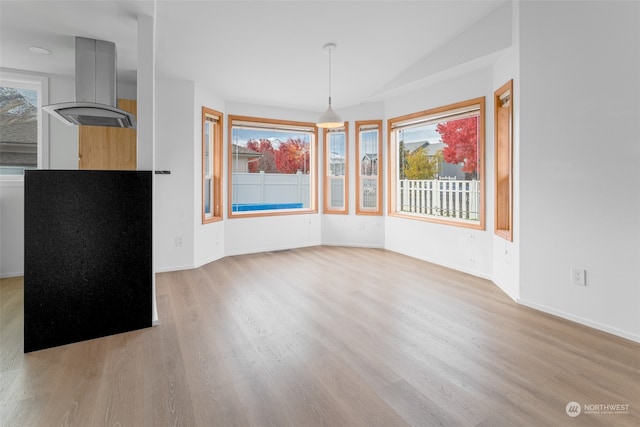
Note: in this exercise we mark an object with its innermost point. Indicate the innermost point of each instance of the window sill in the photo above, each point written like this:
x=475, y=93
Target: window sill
x=438, y=220
x=254, y=214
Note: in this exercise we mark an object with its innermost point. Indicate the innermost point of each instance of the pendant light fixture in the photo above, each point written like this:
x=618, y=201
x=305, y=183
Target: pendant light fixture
x=330, y=119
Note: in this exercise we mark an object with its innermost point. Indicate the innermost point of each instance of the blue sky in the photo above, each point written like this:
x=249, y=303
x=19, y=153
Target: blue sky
x=336, y=144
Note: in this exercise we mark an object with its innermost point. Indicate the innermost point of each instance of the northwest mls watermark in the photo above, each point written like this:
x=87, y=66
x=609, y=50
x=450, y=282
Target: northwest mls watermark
x=573, y=409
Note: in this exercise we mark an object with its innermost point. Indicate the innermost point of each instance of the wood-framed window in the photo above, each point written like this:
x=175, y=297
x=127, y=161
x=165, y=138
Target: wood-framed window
x=503, y=117
x=272, y=167
x=336, y=170
x=369, y=167
x=211, y=165
x=436, y=163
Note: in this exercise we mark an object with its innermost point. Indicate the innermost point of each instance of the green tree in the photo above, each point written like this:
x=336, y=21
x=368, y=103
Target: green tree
x=402, y=160
x=422, y=166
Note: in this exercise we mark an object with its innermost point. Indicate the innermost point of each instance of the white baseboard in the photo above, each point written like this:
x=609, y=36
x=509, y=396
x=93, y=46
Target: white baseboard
x=208, y=261
x=175, y=268
x=577, y=319
x=8, y=275
x=452, y=267
x=514, y=297
x=352, y=245
x=268, y=249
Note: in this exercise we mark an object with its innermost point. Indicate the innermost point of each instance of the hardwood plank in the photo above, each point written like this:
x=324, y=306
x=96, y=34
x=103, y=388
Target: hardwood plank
x=352, y=395
x=121, y=388
x=76, y=381
x=167, y=396
x=416, y=407
x=23, y=413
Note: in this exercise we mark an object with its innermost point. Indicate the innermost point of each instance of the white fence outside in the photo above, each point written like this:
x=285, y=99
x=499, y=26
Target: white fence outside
x=271, y=188
x=442, y=198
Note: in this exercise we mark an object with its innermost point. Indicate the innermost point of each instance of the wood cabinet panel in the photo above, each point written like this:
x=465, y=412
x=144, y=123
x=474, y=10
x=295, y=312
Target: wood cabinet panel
x=108, y=148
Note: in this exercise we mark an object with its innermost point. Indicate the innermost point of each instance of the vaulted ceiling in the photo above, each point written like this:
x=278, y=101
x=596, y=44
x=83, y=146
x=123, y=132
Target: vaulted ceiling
x=260, y=52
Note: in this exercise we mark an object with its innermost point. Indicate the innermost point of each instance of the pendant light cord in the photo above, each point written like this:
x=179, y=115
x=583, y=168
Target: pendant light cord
x=330, y=119
x=330, y=76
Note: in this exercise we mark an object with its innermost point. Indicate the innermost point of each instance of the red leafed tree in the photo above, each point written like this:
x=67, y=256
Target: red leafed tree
x=461, y=140
x=293, y=156
x=266, y=162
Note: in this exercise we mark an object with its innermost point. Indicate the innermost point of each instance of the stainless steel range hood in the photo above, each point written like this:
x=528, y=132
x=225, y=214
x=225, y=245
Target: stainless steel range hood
x=96, y=102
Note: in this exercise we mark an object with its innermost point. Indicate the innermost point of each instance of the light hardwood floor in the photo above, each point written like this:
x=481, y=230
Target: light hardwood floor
x=322, y=336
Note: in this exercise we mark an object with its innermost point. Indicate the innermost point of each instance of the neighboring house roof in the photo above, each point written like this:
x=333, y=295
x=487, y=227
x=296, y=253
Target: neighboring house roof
x=241, y=151
x=413, y=146
x=434, y=147
x=431, y=148
x=370, y=156
x=20, y=133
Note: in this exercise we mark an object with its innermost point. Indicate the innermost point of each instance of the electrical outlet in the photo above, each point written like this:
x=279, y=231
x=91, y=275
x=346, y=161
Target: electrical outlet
x=178, y=240
x=578, y=276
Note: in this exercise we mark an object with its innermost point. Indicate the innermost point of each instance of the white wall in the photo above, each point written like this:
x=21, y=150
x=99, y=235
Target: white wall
x=506, y=254
x=579, y=151
x=174, y=196
x=127, y=90
x=352, y=229
x=209, y=238
x=455, y=247
x=11, y=228
x=249, y=235
x=63, y=139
